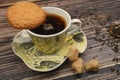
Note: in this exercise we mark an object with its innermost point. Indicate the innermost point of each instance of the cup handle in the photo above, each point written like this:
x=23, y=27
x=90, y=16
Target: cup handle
x=75, y=26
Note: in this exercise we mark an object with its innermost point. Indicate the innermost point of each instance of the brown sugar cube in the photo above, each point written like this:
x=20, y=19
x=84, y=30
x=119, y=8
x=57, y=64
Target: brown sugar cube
x=73, y=54
x=92, y=65
x=78, y=65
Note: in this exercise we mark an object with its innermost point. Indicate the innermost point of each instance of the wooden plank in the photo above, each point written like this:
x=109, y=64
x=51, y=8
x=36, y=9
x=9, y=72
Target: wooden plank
x=12, y=67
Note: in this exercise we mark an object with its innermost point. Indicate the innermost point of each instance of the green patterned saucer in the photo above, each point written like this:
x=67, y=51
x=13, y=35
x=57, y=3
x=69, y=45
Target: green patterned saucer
x=24, y=48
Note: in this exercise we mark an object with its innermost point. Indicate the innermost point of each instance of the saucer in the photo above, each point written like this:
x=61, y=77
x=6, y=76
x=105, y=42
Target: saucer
x=24, y=48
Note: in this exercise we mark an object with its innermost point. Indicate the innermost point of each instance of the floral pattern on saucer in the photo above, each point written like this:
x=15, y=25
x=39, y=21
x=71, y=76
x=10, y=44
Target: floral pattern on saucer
x=38, y=61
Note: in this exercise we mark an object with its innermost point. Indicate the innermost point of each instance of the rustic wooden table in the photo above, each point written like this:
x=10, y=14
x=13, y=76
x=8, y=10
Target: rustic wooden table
x=97, y=16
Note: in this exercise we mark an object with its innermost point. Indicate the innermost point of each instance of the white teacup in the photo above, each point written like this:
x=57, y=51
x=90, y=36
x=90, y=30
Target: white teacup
x=49, y=44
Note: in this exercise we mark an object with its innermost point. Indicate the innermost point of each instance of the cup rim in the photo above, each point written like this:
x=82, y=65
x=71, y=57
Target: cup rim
x=51, y=35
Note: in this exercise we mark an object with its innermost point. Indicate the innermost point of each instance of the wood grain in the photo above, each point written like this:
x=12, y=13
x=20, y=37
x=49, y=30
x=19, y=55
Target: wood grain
x=13, y=68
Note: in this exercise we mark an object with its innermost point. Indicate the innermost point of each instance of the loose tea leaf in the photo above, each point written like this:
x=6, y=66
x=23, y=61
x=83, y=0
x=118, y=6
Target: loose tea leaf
x=101, y=27
x=115, y=29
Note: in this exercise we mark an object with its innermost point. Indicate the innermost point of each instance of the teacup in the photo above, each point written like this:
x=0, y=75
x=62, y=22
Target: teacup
x=49, y=44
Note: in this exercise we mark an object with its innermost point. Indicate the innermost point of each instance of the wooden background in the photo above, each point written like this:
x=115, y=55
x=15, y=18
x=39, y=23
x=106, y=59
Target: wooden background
x=96, y=16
